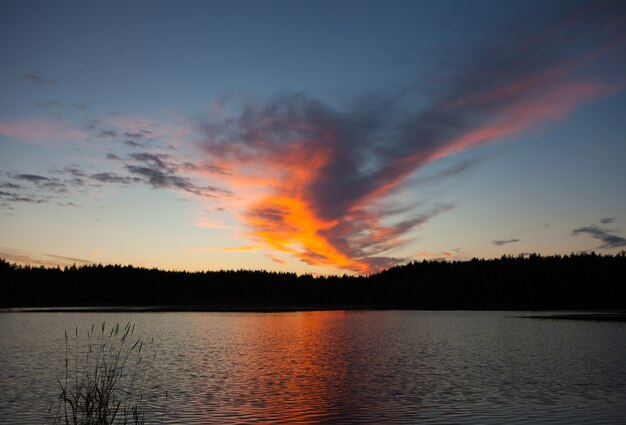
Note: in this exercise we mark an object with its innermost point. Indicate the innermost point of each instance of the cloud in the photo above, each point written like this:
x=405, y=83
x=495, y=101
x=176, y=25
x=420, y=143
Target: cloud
x=73, y=170
x=107, y=134
x=10, y=197
x=161, y=171
x=133, y=144
x=608, y=237
x=36, y=189
x=41, y=130
x=321, y=177
x=41, y=182
x=33, y=178
x=607, y=220
x=436, y=256
x=145, y=128
x=276, y=259
x=72, y=259
x=502, y=242
x=8, y=185
x=38, y=259
x=36, y=79
x=113, y=178
x=155, y=169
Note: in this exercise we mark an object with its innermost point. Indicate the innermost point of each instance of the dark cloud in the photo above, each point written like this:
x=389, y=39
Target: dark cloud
x=160, y=178
x=203, y=167
x=163, y=171
x=133, y=144
x=40, y=189
x=502, y=242
x=33, y=178
x=8, y=185
x=607, y=220
x=54, y=185
x=42, y=182
x=16, y=197
x=106, y=134
x=608, y=237
x=74, y=171
x=158, y=170
x=113, y=178
x=157, y=160
x=138, y=135
x=35, y=78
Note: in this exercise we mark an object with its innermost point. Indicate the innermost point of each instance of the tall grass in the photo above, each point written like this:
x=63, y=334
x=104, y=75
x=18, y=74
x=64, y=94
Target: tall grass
x=104, y=380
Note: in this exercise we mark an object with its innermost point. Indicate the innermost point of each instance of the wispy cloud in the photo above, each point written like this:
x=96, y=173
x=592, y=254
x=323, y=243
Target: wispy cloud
x=107, y=134
x=144, y=128
x=34, y=178
x=276, y=259
x=133, y=144
x=502, y=242
x=41, y=130
x=42, y=182
x=113, y=178
x=437, y=256
x=35, y=78
x=39, y=259
x=607, y=220
x=7, y=198
x=608, y=237
x=154, y=169
x=159, y=171
x=72, y=259
x=323, y=173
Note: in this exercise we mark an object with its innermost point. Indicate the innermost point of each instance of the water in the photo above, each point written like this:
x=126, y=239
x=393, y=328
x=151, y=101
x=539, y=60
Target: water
x=341, y=367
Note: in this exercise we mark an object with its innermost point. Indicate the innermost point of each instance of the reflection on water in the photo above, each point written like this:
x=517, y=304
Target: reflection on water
x=343, y=367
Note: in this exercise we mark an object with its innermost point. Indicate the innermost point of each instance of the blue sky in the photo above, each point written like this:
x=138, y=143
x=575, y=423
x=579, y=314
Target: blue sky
x=317, y=137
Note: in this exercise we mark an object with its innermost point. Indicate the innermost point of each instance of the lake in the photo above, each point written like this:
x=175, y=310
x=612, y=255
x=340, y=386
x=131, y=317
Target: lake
x=340, y=366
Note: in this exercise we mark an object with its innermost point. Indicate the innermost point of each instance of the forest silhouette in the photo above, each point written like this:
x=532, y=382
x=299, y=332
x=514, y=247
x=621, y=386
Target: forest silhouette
x=577, y=281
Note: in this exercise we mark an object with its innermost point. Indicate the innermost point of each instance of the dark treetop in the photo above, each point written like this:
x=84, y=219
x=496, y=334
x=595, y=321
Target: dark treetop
x=578, y=281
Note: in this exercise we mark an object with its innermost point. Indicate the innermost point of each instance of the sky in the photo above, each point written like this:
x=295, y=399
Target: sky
x=313, y=137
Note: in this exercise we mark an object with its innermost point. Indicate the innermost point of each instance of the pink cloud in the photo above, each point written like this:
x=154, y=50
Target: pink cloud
x=41, y=130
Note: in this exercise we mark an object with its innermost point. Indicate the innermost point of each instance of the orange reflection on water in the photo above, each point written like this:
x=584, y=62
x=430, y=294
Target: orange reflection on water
x=293, y=373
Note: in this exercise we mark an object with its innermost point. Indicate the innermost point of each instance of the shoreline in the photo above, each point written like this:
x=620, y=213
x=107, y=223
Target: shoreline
x=585, y=315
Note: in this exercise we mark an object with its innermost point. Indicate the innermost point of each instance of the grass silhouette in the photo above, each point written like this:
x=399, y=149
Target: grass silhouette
x=105, y=378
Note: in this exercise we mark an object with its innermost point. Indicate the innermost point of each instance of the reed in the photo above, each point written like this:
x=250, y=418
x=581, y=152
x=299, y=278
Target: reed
x=105, y=378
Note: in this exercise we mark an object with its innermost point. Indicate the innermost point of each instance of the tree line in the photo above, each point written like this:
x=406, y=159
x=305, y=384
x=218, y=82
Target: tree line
x=577, y=281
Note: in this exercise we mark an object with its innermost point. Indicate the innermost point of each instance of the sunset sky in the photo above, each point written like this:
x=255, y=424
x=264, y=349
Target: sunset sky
x=310, y=136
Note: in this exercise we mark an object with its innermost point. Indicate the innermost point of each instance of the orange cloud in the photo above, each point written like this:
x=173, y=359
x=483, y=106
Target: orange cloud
x=289, y=225
x=313, y=179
